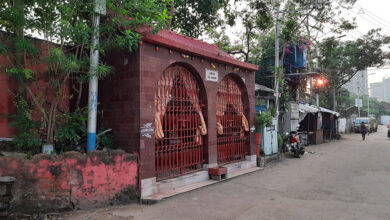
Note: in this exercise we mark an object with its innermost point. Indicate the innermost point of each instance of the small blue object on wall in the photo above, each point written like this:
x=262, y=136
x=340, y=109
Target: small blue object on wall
x=260, y=108
x=300, y=58
x=294, y=59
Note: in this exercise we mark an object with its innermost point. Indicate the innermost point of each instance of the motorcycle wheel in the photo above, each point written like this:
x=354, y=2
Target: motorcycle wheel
x=296, y=154
x=302, y=150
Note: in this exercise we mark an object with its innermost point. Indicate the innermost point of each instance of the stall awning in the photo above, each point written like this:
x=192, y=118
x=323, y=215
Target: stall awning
x=259, y=87
x=322, y=109
x=307, y=108
x=304, y=109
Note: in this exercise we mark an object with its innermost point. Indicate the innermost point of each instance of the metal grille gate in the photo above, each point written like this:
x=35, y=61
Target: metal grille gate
x=179, y=124
x=232, y=124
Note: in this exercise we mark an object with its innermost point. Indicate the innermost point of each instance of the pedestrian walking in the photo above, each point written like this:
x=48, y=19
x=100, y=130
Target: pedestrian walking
x=363, y=130
x=388, y=130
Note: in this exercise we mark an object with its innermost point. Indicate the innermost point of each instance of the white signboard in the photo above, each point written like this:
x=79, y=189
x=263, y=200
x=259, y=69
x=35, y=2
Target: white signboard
x=100, y=7
x=359, y=103
x=211, y=75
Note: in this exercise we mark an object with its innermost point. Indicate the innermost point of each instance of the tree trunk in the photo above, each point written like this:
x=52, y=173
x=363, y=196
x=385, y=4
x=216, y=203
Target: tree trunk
x=52, y=122
x=334, y=98
x=19, y=55
x=79, y=95
x=171, y=8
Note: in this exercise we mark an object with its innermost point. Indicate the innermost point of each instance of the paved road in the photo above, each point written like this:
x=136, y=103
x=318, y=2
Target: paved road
x=346, y=179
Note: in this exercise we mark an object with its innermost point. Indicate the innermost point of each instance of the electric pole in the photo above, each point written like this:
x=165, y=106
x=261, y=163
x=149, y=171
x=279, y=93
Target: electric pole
x=99, y=9
x=277, y=69
x=359, y=100
x=317, y=68
x=277, y=63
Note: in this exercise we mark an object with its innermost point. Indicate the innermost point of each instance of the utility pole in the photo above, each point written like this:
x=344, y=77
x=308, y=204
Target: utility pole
x=99, y=9
x=317, y=68
x=276, y=83
x=277, y=62
x=359, y=100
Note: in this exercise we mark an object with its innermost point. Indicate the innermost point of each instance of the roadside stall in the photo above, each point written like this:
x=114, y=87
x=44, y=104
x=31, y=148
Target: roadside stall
x=329, y=123
x=309, y=121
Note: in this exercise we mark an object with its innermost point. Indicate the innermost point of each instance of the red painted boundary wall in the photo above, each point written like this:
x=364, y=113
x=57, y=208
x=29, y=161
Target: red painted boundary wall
x=72, y=180
x=40, y=87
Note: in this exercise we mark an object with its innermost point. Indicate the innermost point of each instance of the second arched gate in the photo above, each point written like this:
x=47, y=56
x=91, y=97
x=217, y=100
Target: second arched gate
x=232, y=125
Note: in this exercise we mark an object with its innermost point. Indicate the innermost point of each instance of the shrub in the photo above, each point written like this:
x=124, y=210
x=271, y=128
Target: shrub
x=105, y=140
x=71, y=129
x=263, y=119
x=28, y=139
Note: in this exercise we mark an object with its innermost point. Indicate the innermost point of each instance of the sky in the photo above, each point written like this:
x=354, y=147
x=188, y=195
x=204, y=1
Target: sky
x=369, y=14
x=372, y=14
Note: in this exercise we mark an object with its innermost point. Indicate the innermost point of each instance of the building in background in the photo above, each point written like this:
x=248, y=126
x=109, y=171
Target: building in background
x=381, y=90
x=358, y=85
x=264, y=98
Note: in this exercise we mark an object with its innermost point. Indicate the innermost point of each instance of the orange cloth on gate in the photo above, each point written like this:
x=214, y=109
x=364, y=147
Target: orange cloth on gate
x=237, y=104
x=162, y=98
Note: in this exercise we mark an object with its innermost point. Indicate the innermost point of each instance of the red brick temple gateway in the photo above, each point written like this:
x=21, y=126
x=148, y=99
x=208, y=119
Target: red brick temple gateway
x=184, y=106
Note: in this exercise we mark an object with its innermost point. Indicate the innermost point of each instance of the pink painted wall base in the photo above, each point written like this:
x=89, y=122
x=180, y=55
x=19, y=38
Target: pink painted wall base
x=72, y=180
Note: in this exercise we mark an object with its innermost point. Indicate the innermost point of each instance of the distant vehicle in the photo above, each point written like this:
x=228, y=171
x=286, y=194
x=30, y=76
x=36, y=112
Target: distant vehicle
x=371, y=124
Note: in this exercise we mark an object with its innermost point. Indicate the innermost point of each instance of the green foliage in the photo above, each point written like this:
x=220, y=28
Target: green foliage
x=263, y=119
x=71, y=129
x=346, y=100
x=193, y=17
x=105, y=140
x=28, y=142
x=257, y=20
x=66, y=28
x=284, y=98
x=280, y=142
x=28, y=137
x=342, y=60
x=19, y=73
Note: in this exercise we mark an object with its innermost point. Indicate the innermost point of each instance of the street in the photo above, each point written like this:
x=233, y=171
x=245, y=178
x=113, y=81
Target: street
x=345, y=179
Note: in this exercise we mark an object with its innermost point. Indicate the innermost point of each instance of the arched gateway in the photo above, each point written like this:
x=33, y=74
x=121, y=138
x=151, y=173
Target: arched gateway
x=179, y=124
x=232, y=124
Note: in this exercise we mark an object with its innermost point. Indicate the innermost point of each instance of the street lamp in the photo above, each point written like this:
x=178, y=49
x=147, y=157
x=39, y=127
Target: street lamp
x=320, y=84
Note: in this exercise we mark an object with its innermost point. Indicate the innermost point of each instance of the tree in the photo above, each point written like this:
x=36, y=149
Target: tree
x=321, y=17
x=192, y=17
x=256, y=19
x=340, y=61
x=66, y=28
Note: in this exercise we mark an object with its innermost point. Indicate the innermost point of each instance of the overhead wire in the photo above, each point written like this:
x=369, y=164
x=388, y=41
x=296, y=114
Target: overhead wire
x=361, y=13
x=382, y=20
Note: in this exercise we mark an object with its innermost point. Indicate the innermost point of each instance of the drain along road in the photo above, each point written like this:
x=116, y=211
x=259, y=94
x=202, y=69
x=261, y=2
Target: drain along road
x=346, y=179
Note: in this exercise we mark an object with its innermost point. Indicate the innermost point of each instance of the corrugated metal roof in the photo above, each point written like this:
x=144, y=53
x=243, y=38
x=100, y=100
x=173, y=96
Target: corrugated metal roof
x=193, y=46
x=322, y=109
x=263, y=88
x=307, y=108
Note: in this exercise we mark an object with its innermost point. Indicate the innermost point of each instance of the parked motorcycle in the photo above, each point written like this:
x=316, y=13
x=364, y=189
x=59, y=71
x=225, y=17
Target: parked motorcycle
x=296, y=145
x=292, y=143
x=286, y=142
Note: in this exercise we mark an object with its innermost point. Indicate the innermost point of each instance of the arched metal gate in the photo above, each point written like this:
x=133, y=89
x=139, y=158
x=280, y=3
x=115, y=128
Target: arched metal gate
x=179, y=124
x=232, y=124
